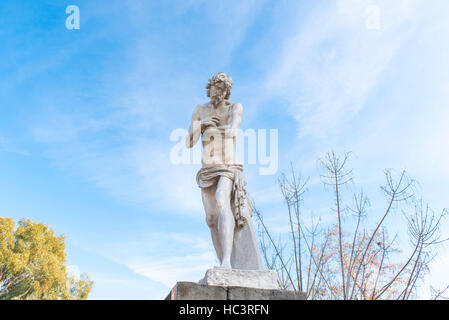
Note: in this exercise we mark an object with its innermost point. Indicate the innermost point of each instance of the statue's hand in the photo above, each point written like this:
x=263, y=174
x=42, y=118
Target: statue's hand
x=209, y=122
x=225, y=127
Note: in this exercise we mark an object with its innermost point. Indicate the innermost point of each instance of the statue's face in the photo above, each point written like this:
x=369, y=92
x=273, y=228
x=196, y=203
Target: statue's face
x=217, y=91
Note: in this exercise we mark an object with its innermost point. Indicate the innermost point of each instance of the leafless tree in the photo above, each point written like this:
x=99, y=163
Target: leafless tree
x=348, y=261
x=439, y=294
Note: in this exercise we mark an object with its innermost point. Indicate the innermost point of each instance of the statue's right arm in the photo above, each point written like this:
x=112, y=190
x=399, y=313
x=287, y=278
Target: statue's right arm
x=195, y=129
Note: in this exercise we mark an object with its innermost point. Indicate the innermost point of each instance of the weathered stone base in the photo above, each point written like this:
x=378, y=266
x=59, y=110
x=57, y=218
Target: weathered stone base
x=259, y=279
x=196, y=291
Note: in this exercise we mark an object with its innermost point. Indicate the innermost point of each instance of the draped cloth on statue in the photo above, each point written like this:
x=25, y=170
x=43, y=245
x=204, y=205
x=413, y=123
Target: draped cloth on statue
x=245, y=251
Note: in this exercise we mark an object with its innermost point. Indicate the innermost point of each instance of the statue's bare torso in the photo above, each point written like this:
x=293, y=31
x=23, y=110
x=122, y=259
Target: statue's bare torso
x=218, y=141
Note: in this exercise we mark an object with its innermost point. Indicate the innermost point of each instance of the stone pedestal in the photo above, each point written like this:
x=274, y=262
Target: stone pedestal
x=258, y=279
x=234, y=284
x=196, y=291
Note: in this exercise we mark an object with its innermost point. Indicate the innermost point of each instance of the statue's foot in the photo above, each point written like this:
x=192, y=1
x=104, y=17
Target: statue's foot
x=225, y=266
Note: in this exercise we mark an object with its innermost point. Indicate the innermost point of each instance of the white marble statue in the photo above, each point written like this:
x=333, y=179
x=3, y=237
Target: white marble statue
x=223, y=187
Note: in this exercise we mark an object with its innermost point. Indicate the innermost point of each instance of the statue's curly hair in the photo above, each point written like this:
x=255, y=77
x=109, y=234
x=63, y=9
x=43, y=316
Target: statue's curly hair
x=224, y=78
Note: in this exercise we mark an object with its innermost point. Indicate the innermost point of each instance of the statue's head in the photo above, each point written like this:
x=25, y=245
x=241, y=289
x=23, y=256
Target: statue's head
x=219, y=87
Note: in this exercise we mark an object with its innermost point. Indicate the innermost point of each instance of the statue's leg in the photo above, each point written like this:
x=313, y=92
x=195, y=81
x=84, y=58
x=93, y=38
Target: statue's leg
x=226, y=221
x=210, y=207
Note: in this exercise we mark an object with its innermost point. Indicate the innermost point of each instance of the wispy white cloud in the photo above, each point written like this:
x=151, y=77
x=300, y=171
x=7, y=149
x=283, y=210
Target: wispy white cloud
x=138, y=172
x=379, y=93
x=169, y=271
x=165, y=257
x=329, y=67
x=267, y=195
x=8, y=146
x=124, y=149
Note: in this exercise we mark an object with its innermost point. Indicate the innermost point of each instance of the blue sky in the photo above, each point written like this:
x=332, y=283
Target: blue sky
x=86, y=117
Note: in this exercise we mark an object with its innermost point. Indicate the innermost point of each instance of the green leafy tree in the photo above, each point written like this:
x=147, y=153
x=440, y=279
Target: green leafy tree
x=32, y=264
